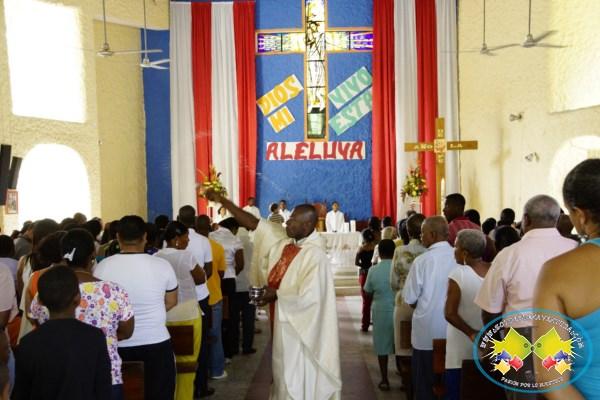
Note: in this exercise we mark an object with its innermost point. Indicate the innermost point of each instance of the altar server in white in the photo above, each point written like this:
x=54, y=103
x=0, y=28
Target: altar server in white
x=251, y=207
x=334, y=221
x=293, y=266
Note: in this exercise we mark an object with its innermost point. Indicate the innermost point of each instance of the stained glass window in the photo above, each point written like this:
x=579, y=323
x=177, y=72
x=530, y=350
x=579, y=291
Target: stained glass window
x=315, y=42
x=292, y=42
x=349, y=41
x=316, y=71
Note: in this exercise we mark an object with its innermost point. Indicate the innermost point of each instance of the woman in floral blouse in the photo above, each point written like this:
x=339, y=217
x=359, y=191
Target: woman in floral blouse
x=104, y=305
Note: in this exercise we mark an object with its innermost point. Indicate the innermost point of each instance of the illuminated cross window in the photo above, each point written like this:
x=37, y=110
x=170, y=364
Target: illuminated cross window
x=315, y=41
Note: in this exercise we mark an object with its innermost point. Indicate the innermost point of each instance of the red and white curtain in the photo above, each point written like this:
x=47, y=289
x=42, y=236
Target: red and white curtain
x=420, y=37
x=213, y=95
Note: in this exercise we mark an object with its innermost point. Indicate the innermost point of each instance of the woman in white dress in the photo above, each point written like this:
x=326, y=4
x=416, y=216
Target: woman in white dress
x=463, y=315
x=186, y=312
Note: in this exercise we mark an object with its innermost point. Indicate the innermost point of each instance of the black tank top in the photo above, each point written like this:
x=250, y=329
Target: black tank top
x=365, y=258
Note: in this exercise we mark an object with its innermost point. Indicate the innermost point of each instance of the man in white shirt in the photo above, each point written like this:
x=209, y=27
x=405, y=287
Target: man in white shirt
x=425, y=290
x=234, y=258
x=199, y=246
x=334, y=221
x=152, y=287
x=283, y=210
x=251, y=207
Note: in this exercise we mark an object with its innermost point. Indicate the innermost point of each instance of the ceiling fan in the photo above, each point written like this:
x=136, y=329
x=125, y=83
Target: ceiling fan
x=146, y=63
x=106, y=51
x=484, y=49
x=531, y=41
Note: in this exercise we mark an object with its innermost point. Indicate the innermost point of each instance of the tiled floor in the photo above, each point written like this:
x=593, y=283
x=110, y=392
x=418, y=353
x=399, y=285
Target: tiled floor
x=352, y=340
x=250, y=376
x=242, y=370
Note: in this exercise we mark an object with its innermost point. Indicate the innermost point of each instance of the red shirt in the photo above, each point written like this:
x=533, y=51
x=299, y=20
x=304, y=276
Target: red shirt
x=457, y=225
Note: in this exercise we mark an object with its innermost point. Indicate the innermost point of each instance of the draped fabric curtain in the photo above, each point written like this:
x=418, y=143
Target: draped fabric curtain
x=447, y=51
x=182, y=107
x=213, y=97
x=243, y=15
x=426, y=88
x=406, y=93
x=425, y=18
x=201, y=63
x=225, y=147
x=384, y=193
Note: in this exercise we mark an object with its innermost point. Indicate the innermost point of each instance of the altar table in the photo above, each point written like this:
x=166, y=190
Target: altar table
x=342, y=249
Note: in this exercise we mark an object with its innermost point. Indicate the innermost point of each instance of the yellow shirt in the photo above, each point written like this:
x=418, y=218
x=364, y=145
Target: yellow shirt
x=218, y=264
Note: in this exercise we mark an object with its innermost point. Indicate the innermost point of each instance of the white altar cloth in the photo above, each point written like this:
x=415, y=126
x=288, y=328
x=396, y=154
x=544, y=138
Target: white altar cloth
x=342, y=249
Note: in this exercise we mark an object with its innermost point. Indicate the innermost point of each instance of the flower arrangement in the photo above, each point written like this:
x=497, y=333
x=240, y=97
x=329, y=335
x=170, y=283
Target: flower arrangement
x=415, y=185
x=213, y=182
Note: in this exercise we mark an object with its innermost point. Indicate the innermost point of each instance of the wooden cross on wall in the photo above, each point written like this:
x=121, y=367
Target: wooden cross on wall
x=314, y=40
x=440, y=146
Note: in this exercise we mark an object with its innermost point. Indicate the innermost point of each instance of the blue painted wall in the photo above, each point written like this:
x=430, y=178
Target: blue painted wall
x=158, y=128
x=348, y=182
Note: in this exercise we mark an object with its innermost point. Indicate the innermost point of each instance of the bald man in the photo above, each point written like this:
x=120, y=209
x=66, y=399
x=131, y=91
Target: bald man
x=509, y=285
x=425, y=290
x=292, y=265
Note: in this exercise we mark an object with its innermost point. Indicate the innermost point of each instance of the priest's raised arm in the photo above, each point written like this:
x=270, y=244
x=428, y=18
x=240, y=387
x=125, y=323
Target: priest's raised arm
x=244, y=218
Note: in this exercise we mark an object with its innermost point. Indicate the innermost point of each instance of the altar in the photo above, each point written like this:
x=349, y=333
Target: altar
x=341, y=250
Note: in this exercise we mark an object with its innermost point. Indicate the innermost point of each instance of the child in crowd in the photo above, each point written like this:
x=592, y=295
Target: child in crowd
x=64, y=358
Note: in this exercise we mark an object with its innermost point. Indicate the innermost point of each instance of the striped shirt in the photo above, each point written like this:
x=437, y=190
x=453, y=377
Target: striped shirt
x=457, y=225
x=276, y=217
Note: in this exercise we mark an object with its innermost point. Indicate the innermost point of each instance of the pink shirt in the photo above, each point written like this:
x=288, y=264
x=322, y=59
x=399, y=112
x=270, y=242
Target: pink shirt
x=509, y=284
x=457, y=225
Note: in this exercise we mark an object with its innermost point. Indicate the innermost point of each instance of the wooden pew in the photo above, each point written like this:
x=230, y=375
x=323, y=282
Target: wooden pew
x=405, y=331
x=439, y=367
x=133, y=380
x=182, y=339
x=404, y=357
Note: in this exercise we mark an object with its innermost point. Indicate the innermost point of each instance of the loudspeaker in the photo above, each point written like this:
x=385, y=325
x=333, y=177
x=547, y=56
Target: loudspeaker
x=5, y=151
x=13, y=177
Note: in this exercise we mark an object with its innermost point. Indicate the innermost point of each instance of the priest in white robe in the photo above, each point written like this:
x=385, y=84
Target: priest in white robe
x=334, y=220
x=294, y=265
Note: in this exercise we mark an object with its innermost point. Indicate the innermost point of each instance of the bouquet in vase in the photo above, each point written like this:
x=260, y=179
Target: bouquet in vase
x=414, y=185
x=213, y=182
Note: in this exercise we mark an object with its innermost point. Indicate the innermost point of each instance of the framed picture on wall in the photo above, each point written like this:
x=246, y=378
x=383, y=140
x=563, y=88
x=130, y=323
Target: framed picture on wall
x=12, y=202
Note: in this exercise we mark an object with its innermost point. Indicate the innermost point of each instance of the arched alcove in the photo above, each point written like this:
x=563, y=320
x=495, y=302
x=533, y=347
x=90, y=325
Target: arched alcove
x=571, y=153
x=53, y=183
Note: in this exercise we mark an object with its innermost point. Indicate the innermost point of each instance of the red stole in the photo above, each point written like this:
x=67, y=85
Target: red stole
x=290, y=251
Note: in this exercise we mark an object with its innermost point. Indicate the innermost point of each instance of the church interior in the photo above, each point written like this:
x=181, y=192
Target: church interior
x=430, y=123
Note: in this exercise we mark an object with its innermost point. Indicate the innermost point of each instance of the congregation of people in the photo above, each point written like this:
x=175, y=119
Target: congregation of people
x=446, y=277
x=79, y=299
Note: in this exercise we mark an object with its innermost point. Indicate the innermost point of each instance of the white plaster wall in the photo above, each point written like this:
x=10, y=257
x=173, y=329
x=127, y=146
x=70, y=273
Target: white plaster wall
x=121, y=127
x=23, y=133
x=517, y=80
